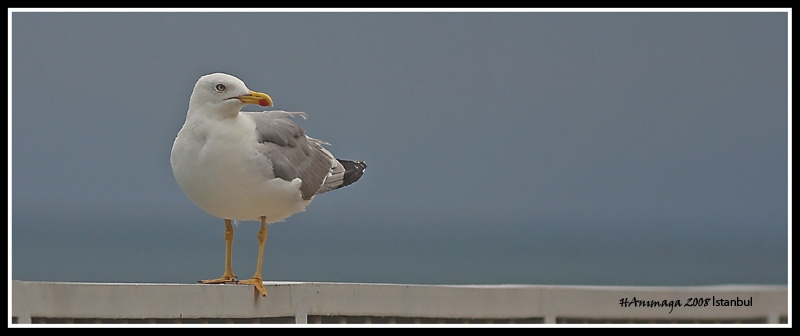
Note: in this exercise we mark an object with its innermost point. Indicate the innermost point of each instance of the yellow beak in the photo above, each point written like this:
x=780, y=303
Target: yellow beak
x=257, y=98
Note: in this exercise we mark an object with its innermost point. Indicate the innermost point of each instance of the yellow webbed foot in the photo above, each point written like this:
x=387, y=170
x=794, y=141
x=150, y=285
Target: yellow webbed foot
x=258, y=283
x=224, y=279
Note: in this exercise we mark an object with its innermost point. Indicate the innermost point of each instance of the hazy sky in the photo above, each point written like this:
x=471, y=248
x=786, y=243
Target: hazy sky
x=625, y=131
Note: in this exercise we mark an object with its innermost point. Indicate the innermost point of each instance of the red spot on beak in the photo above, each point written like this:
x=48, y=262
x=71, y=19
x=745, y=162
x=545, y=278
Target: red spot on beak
x=263, y=102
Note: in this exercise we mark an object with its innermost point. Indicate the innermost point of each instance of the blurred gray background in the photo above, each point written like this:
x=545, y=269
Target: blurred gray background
x=531, y=148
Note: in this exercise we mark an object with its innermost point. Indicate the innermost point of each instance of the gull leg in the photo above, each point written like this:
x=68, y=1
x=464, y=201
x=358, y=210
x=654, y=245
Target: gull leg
x=228, y=276
x=256, y=280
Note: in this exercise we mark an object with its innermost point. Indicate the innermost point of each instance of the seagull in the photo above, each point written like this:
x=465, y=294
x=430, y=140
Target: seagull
x=250, y=166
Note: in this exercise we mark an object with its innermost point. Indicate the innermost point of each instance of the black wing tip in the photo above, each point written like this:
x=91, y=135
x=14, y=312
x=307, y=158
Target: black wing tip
x=353, y=170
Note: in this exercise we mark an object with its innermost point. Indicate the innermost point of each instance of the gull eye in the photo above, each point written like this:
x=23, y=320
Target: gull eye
x=220, y=87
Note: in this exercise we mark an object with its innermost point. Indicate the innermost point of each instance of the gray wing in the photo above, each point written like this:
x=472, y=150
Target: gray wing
x=291, y=152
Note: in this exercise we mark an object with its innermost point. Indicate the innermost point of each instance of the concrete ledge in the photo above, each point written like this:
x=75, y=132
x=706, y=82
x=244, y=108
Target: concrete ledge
x=322, y=302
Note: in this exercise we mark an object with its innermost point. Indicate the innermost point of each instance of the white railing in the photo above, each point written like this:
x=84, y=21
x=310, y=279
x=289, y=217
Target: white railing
x=315, y=302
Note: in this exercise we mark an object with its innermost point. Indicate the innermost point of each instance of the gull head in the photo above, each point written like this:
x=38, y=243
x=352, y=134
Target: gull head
x=223, y=95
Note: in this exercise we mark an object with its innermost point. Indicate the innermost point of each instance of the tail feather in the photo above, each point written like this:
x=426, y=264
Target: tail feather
x=345, y=173
x=353, y=170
